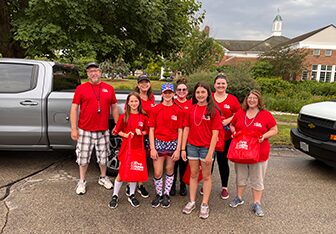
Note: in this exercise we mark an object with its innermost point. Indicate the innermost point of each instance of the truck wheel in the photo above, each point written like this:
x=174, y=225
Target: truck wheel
x=113, y=162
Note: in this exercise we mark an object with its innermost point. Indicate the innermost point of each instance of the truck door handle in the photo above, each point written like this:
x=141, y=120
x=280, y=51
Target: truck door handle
x=28, y=103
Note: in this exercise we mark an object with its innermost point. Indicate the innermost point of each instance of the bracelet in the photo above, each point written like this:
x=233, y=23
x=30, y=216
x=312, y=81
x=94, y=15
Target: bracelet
x=183, y=150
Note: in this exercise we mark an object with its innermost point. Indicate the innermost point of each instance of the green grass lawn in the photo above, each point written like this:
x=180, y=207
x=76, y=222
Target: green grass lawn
x=285, y=123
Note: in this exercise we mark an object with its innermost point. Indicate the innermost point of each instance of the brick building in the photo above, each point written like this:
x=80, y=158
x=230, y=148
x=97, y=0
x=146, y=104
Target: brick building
x=320, y=62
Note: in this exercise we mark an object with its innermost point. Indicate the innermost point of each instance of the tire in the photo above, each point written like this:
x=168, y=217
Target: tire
x=113, y=162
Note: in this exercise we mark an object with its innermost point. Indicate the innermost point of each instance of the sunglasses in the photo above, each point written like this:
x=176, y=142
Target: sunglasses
x=181, y=89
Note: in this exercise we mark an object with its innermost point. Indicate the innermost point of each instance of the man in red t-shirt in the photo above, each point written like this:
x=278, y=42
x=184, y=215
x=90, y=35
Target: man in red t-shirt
x=94, y=100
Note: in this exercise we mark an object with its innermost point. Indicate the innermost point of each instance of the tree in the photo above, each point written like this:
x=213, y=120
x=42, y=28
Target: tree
x=199, y=52
x=262, y=68
x=286, y=62
x=108, y=29
x=10, y=10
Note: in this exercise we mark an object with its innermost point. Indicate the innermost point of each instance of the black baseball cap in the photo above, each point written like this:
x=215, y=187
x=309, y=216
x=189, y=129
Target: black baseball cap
x=91, y=64
x=143, y=77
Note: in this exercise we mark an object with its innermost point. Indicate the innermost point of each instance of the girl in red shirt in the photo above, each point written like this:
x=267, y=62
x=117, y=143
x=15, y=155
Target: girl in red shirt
x=202, y=125
x=148, y=102
x=133, y=123
x=185, y=104
x=229, y=105
x=253, y=117
x=165, y=136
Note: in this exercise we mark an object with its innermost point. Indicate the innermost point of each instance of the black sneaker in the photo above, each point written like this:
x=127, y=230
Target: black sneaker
x=114, y=202
x=156, y=201
x=128, y=193
x=183, y=190
x=172, y=191
x=165, y=201
x=134, y=202
x=143, y=192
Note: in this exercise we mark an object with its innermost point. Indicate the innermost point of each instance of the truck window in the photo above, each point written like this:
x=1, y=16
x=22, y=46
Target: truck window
x=65, y=77
x=16, y=78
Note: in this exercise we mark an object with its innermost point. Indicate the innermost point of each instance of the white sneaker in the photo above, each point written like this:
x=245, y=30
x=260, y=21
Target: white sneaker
x=106, y=182
x=81, y=187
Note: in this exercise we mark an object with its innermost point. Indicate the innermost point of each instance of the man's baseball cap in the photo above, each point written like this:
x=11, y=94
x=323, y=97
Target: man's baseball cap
x=143, y=77
x=91, y=64
x=166, y=87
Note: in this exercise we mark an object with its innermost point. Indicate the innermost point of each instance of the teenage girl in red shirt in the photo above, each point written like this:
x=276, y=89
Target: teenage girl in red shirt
x=185, y=104
x=229, y=105
x=148, y=102
x=165, y=136
x=202, y=125
x=133, y=123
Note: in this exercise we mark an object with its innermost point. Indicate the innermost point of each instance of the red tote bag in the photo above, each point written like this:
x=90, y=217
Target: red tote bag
x=220, y=141
x=245, y=147
x=186, y=176
x=134, y=167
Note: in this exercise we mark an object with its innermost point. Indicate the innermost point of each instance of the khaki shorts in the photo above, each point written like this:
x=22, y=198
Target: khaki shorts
x=253, y=173
x=87, y=141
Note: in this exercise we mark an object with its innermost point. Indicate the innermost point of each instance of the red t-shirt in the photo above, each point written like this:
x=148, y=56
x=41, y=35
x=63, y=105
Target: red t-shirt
x=166, y=120
x=262, y=123
x=201, y=126
x=228, y=107
x=147, y=105
x=135, y=121
x=185, y=106
x=87, y=96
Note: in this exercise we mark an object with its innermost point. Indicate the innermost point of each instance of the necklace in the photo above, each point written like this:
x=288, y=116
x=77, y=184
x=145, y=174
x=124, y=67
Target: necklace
x=97, y=96
x=198, y=124
x=245, y=122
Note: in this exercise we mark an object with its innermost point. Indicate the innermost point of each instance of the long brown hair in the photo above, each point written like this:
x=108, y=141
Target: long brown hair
x=261, y=103
x=211, y=106
x=128, y=108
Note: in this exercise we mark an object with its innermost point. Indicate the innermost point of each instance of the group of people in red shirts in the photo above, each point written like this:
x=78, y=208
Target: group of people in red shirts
x=178, y=133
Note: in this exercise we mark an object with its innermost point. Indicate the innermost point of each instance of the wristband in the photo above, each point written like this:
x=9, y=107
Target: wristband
x=183, y=150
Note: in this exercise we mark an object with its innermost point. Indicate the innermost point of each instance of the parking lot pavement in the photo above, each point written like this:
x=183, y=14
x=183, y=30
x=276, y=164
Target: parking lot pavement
x=299, y=198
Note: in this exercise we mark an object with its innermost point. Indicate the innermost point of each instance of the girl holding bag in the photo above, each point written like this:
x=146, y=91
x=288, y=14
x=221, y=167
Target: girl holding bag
x=165, y=136
x=229, y=105
x=254, y=118
x=202, y=125
x=131, y=126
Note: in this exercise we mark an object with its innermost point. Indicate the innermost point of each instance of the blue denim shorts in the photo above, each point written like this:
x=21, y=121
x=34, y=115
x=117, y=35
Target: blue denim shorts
x=197, y=153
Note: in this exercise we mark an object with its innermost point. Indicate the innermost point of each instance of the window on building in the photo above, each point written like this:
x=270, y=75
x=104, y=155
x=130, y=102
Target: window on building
x=316, y=52
x=328, y=52
x=304, y=75
x=314, y=72
x=325, y=73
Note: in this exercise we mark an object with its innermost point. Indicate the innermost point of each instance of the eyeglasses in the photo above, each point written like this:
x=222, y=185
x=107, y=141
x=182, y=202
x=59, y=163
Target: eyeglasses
x=181, y=90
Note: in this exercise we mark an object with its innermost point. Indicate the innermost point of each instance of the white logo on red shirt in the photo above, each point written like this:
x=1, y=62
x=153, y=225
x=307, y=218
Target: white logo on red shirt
x=257, y=124
x=104, y=90
x=174, y=117
x=140, y=124
x=186, y=107
x=226, y=106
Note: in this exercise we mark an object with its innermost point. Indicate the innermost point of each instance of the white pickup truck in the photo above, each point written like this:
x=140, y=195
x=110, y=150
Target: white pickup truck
x=315, y=134
x=35, y=101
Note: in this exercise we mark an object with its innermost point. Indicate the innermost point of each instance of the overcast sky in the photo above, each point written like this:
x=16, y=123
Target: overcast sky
x=252, y=19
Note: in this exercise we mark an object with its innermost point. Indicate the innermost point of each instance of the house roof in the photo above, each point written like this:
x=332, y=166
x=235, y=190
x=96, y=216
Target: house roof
x=238, y=45
x=305, y=36
x=246, y=45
